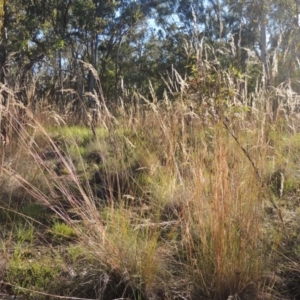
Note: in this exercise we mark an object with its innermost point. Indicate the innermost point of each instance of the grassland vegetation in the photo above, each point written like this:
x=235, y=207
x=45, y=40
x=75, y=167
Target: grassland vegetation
x=177, y=198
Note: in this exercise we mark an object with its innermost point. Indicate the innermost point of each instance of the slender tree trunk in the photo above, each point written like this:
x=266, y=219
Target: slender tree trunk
x=3, y=51
x=60, y=93
x=117, y=70
x=263, y=44
x=94, y=104
x=91, y=76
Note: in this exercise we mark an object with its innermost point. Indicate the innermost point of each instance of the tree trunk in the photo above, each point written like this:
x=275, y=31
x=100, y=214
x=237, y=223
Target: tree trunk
x=263, y=45
x=3, y=51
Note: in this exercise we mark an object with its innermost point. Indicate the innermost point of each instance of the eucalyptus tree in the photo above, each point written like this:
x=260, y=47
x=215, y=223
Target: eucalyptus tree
x=97, y=31
x=284, y=32
x=28, y=36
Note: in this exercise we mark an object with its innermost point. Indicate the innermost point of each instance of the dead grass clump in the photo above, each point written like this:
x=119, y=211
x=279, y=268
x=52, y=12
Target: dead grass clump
x=220, y=224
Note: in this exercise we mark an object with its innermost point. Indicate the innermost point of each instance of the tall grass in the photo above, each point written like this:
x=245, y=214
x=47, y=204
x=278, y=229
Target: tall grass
x=164, y=204
x=199, y=222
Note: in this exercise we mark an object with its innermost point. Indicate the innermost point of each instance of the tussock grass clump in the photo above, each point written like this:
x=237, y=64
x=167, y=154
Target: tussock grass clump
x=222, y=228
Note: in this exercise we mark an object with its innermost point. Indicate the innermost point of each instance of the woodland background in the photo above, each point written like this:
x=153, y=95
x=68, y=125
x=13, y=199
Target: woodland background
x=130, y=43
